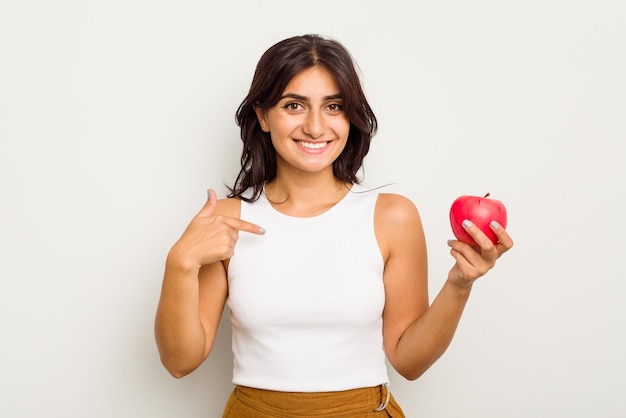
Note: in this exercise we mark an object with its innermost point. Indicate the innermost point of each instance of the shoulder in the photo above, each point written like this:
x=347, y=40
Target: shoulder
x=397, y=224
x=230, y=207
x=396, y=209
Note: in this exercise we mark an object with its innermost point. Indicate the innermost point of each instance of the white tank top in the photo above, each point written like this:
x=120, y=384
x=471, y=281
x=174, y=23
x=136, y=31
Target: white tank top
x=306, y=299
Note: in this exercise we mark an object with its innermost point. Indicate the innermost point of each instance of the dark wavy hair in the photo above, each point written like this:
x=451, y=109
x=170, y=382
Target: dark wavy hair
x=277, y=66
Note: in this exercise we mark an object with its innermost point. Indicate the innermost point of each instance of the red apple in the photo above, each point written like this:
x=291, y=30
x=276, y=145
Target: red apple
x=481, y=211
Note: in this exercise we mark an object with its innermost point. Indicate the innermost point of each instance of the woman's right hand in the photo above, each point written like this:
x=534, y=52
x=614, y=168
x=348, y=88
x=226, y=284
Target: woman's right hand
x=209, y=237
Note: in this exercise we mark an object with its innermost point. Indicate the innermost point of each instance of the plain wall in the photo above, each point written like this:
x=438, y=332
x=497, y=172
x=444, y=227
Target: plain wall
x=116, y=116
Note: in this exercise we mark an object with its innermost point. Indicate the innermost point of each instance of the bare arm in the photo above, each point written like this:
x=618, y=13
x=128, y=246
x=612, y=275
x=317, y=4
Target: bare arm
x=416, y=334
x=195, y=285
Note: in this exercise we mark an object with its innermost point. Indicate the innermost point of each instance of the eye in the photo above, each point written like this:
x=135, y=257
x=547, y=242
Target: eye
x=292, y=106
x=335, y=108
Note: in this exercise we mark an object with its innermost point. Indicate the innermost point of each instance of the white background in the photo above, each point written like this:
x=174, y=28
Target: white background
x=116, y=116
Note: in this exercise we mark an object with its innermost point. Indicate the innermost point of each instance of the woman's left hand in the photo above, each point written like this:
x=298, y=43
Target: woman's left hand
x=473, y=262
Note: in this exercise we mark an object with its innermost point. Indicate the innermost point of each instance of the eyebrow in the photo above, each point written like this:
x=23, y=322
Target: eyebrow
x=306, y=99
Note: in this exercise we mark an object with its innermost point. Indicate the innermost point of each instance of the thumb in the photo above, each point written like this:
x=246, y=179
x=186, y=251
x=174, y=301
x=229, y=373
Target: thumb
x=209, y=206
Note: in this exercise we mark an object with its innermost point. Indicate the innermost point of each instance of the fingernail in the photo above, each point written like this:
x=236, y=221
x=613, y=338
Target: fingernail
x=494, y=225
x=262, y=231
x=208, y=193
x=467, y=223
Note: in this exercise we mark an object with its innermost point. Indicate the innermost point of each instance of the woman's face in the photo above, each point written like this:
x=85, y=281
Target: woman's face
x=308, y=126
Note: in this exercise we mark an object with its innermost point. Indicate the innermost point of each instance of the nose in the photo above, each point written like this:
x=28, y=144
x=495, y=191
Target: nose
x=314, y=124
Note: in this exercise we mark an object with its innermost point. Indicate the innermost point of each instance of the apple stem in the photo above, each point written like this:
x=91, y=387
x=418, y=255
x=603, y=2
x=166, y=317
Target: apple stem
x=488, y=194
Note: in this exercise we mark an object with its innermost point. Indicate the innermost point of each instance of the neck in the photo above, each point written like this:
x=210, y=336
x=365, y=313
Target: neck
x=305, y=195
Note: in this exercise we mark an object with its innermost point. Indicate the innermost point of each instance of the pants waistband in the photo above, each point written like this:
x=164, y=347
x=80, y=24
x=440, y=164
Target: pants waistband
x=315, y=404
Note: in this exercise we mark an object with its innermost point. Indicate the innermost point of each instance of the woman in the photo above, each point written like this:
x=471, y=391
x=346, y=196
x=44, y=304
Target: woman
x=324, y=279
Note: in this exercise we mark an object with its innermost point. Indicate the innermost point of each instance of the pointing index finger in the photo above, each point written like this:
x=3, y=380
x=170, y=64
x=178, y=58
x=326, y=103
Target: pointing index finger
x=246, y=226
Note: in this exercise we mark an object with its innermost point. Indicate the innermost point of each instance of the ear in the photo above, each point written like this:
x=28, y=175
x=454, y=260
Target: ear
x=260, y=114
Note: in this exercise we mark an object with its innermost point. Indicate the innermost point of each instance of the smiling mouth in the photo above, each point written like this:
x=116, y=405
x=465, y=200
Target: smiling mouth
x=312, y=145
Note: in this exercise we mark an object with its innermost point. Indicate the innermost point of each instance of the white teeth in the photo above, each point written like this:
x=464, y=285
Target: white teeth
x=312, y=145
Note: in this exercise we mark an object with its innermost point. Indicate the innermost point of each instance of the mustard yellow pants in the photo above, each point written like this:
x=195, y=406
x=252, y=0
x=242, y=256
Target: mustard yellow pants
x=245, y=402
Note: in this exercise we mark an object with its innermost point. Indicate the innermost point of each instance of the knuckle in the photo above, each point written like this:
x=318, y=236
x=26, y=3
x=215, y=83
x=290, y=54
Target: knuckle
x=226, y=251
